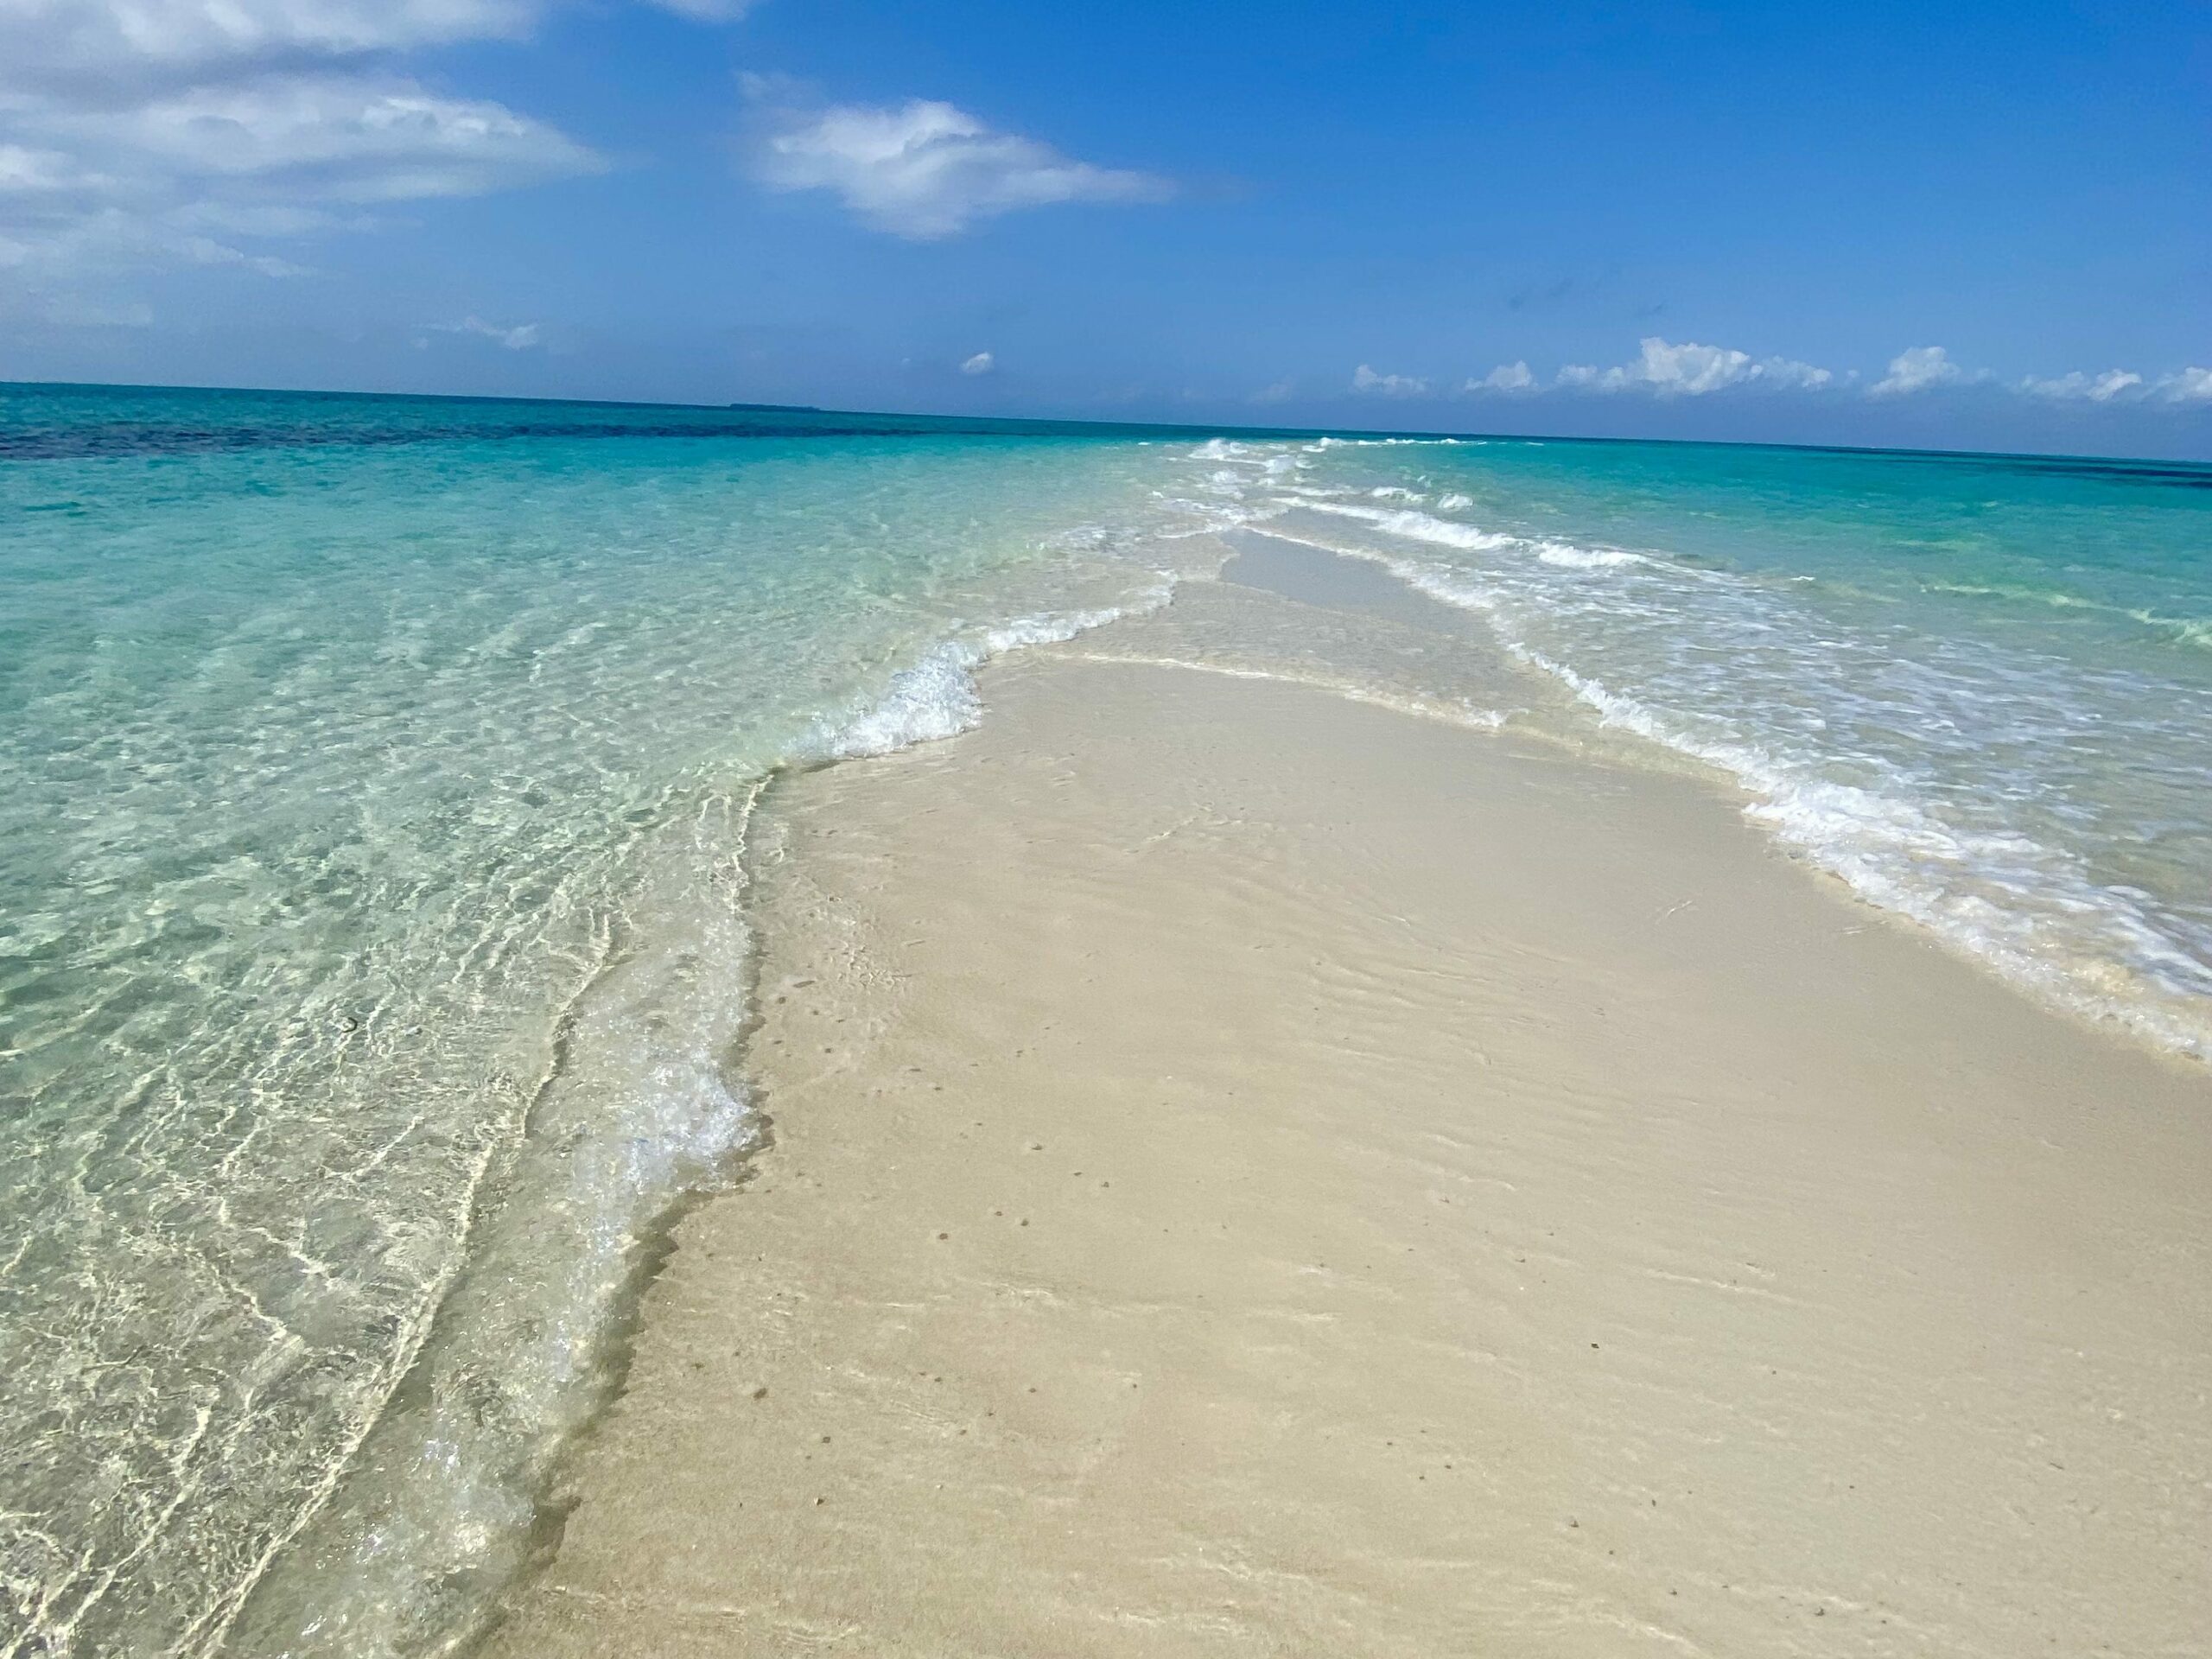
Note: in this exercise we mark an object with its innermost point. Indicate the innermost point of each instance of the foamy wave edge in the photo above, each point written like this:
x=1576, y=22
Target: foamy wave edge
x=1415, y=525
x=936, y=697
x=1865, y=838
x=1860, y=836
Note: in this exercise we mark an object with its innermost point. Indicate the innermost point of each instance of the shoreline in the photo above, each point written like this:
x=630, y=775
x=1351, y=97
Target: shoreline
x=937, y=909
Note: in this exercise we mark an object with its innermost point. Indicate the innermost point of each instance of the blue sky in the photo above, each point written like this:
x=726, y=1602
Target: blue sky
x=1956, y=224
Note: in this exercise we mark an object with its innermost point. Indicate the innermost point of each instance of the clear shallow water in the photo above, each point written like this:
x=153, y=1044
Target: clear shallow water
x=1979, y=689
x=372, y=787
x=374, y=775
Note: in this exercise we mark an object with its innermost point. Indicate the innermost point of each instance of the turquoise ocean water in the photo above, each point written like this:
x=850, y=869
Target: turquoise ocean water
x=373, y=780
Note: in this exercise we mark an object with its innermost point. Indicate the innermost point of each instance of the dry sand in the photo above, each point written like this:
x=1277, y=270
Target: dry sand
x=1257, y=1173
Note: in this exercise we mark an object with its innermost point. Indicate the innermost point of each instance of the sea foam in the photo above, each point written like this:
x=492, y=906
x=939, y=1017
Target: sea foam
x=2029, y=907
x=936, y=697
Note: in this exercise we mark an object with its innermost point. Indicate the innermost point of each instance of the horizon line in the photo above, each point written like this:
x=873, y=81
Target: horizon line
x=1175, y=427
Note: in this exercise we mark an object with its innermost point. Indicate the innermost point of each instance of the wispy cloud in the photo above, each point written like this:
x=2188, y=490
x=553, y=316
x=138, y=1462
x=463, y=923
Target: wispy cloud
x=520, y=337
x=1364, y=378
x=2190, y=386
x=323, y=139
x=1691, y=370
x=90, y=46
x=140, y=130
x=2094, y=388
x=706, y=11
x=1664, y=369
x=921, y=169
x=982, y=363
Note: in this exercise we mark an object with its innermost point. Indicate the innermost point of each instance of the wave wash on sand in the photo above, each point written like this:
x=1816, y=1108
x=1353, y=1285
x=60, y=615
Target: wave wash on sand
x=1260, y=1172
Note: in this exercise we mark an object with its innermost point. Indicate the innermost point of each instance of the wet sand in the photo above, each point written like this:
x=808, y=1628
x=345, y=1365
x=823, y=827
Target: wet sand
x=1256, y=1172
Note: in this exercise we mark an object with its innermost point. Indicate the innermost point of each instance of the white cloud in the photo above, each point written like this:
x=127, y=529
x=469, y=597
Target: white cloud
x=109, y=42
x=920, y=169
x=1387, y=385
x=25, y=172
x=2190, y=386
x=1280, y=392
x=1689, y=370
x=1915, y=369
x=205, y=251
x=706, y=11
x=982, y=363
x=520, y=338
x=1786, y=371
x=1692, y=371
x=328, y=138
x=132, y=130
x=1506, y=377
x=2095, y=388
